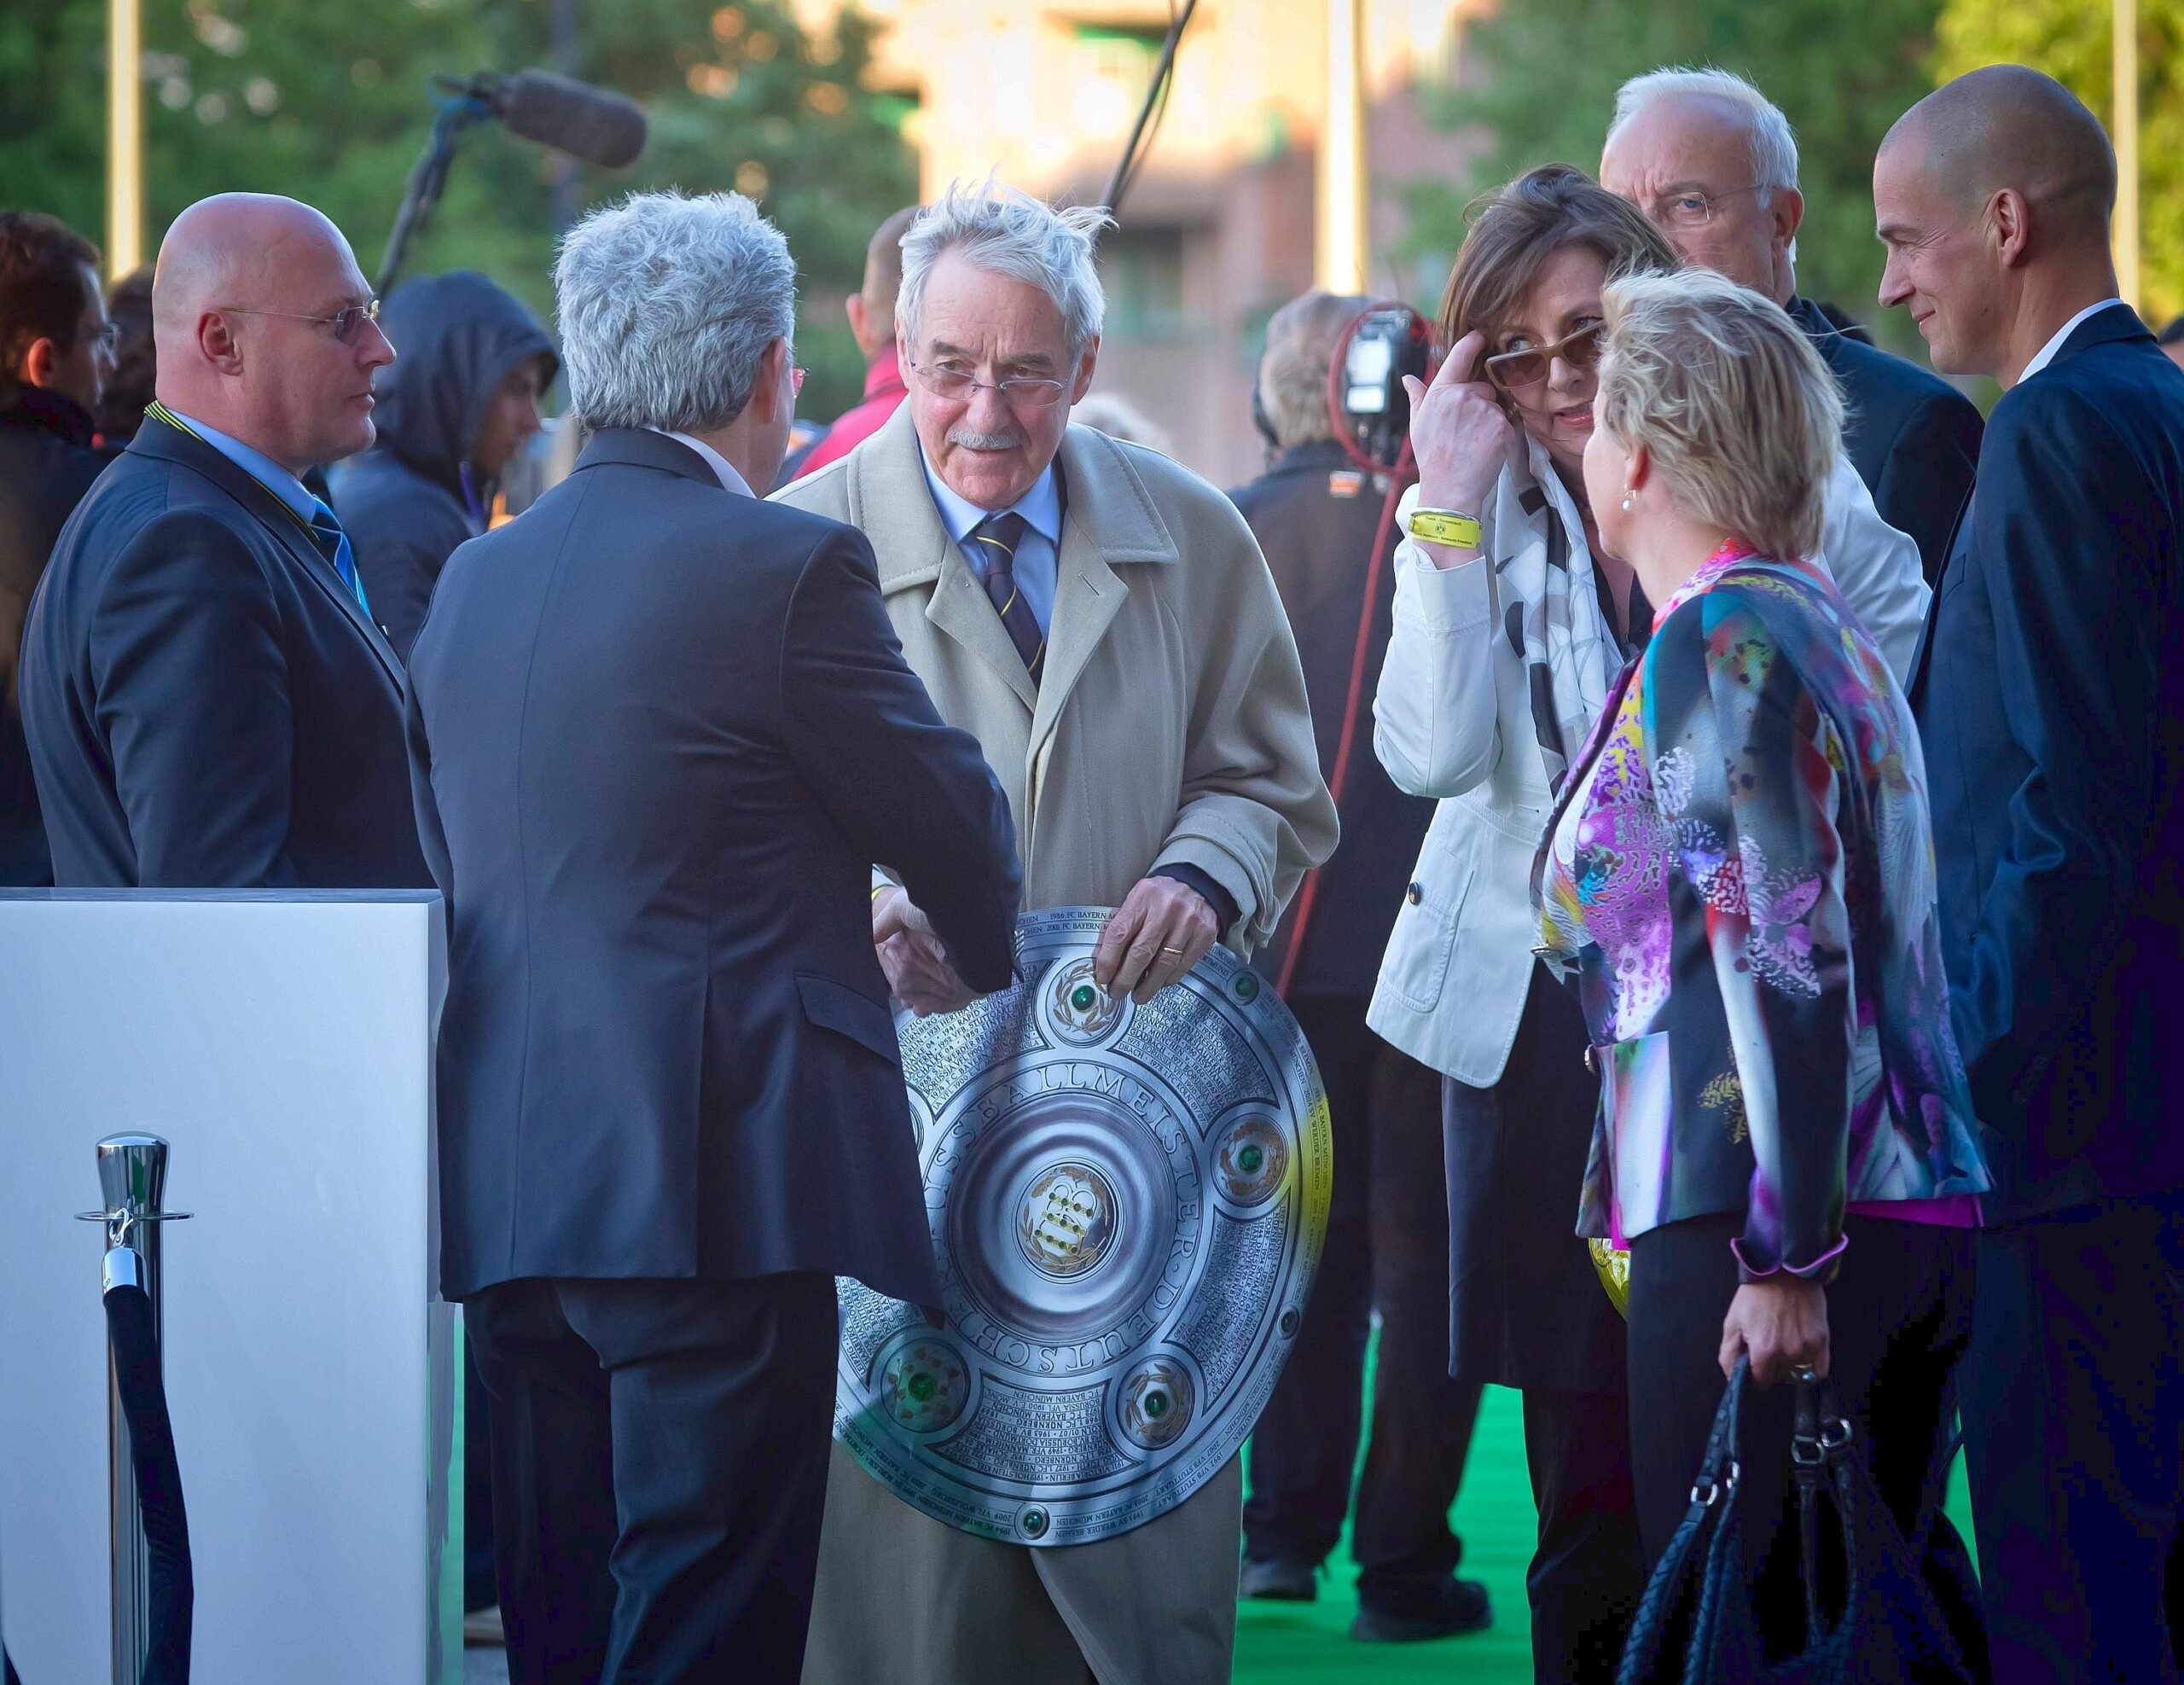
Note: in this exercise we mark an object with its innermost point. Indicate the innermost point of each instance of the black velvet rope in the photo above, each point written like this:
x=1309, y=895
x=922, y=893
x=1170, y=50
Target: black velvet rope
x=159, y=1483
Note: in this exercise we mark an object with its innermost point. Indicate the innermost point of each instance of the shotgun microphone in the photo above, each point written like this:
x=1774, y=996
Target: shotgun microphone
x=592, y=124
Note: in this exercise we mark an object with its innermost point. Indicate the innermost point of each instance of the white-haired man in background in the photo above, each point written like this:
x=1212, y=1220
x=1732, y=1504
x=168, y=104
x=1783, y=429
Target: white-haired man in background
x=1713, y=163
x=1101, y=619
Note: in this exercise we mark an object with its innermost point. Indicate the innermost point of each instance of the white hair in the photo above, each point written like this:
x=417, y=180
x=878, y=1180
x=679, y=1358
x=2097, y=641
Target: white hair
x=665, y=303
x=1007, y=232
x=1773, y=147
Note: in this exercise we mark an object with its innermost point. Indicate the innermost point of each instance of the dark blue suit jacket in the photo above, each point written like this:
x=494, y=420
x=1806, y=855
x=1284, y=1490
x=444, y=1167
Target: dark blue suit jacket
x=2050, y=695
x=1912, y=438
x=206, y=704
x=660, y=735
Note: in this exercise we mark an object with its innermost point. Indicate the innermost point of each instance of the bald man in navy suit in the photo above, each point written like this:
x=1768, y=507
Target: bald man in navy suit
x=2049, y=691
x=207, y=700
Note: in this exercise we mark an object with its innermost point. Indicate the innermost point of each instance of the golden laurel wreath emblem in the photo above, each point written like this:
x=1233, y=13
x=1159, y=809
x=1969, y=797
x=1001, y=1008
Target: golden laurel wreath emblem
x=1613, y=1262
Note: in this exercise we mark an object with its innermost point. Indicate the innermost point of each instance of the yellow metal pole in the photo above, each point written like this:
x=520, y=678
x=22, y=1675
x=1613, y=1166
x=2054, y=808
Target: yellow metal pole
x=2126, y=72
x=124, y=139
x=1340, y=239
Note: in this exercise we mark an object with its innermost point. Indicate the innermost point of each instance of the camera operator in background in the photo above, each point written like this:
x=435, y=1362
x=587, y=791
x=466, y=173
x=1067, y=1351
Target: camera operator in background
x=1317, y=515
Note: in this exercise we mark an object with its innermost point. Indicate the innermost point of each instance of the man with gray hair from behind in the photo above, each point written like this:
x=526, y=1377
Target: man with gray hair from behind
x=1102, y=620
x=1713, y=164
x=660, y=731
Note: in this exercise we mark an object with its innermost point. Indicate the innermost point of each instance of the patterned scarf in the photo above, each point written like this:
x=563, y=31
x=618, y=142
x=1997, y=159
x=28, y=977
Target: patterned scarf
x=1551, y=607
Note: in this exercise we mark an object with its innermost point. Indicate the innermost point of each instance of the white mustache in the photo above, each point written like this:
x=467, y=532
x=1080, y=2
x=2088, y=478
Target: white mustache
x=972, y=439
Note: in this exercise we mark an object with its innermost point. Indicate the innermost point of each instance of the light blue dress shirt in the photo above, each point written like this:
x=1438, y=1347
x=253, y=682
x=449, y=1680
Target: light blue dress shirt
x=1037, y=556
x=259, y=466
x=319, y=518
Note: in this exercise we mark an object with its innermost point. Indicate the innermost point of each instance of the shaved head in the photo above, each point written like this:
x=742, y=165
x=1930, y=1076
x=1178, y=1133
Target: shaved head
x=243, y=303
x=1993, y=196
x=872, y=307
x=2007, y=127
x=227, y=249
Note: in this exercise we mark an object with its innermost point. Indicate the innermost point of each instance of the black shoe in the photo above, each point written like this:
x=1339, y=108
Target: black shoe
x=1456, y=1607
x=1276, y=1580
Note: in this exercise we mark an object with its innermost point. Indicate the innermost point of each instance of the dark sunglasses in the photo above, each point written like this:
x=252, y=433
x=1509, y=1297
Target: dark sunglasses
x=1514, y=370
x=346, y=323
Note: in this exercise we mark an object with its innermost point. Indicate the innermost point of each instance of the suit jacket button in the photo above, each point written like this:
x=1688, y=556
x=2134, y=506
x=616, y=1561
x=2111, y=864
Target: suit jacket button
x=1414, y=894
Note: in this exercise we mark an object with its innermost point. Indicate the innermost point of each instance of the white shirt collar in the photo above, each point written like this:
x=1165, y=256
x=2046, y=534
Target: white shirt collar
x=1041, y=506
x=258, y=466
x=720, y=464
x=2047, y=352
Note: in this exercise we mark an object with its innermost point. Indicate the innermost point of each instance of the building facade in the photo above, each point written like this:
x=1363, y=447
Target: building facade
x=1217, y=228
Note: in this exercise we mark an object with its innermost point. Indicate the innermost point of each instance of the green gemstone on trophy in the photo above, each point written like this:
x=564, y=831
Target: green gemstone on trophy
x=1083, y=997
x=1249, y=1157
x=1033, y=1523
x=922, y=1387
x=1156, y=1404
x=1247, y=985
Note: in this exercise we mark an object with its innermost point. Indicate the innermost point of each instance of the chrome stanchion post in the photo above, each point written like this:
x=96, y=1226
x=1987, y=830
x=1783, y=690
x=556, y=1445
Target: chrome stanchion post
x=132, y=1175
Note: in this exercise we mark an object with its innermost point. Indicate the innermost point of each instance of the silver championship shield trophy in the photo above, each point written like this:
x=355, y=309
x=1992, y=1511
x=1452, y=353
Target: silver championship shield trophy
x=1127, y=1205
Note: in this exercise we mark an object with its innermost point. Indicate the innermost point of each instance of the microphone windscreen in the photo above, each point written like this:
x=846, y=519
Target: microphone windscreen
x=600, y=127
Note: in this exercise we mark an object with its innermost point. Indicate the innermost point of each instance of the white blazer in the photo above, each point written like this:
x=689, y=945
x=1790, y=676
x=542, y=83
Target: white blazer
x=1452, y=719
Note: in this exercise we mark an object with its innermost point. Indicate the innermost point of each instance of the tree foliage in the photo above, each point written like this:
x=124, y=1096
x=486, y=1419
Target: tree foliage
x=2072, y=40
x=329, y=101
x=1541, y=77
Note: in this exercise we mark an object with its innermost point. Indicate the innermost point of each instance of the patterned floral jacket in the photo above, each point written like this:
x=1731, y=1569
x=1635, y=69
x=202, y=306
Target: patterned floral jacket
x=1741, y=871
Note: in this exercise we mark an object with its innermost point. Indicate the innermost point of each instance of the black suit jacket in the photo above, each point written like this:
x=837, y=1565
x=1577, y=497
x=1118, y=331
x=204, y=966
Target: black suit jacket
x=47, y=464
x=1912, y=438
x=2050, y=695
x=660, y=735
x=206, y=704
x=1317, y=517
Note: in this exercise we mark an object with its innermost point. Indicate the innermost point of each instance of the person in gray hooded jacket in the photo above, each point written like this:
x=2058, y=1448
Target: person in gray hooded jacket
x=455, y=405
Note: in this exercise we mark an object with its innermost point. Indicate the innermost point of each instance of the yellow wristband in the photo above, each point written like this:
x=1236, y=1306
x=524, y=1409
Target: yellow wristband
x=1445, y=526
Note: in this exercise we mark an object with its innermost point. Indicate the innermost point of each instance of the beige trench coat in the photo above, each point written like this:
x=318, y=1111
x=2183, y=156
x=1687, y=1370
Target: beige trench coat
x=1172, y=727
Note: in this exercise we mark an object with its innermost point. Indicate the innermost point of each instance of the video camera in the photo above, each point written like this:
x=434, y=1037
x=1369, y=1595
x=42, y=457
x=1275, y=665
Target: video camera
x=1366, y=399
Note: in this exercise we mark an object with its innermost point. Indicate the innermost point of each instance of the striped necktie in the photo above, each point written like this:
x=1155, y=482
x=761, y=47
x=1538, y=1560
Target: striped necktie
x=996, y=538
x=334, y=542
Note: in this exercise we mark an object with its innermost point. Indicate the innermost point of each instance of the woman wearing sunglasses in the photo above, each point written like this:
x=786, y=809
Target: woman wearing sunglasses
x=1511, y=624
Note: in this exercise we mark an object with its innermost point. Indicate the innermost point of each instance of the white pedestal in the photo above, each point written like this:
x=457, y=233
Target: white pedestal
x=282, y=1044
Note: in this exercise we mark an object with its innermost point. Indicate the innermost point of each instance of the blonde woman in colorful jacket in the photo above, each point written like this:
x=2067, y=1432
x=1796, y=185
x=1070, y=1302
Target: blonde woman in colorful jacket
x=1740, y=872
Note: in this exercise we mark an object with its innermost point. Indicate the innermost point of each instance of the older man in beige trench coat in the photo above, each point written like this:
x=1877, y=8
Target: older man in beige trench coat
x=1102, y=620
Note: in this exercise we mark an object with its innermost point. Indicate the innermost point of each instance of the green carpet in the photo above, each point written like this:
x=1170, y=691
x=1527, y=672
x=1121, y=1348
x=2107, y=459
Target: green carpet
x=1495, y=1518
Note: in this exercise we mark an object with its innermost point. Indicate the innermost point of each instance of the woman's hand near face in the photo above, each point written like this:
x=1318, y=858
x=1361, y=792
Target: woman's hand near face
x=1462, y=438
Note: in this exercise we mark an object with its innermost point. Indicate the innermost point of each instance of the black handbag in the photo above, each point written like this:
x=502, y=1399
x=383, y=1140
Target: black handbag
x=1879, y=1625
